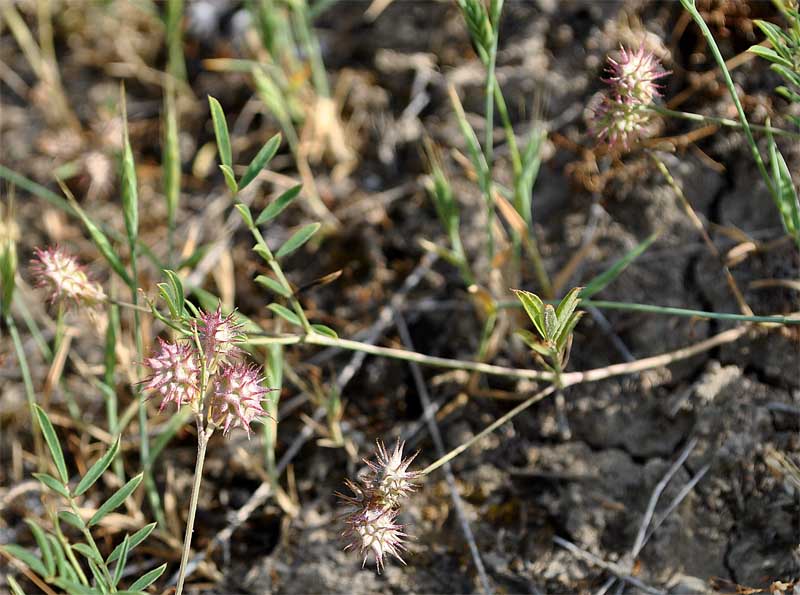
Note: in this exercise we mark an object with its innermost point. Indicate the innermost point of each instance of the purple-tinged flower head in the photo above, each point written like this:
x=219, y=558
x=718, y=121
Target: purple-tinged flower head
x=218, y=336
x=65, y=278
x=371, y=527
x=619, y=123
x=176, y=375
x=633, y=76
x=236, y=399
x=391, y=480
x=371, y=515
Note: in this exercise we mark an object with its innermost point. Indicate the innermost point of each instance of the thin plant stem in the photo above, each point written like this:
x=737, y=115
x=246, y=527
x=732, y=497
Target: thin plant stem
x=58, y=338
x=489, y=429
x=670, y=311
x=689, y=5
x=28, y=382
x=698, y=224
x=202, y=441
x=700, y=118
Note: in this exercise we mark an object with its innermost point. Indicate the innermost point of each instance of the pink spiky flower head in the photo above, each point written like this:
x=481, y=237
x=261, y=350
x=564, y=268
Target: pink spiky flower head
x=237, y=396
x=633, y=75
x=391, y=480
x=218, y=336
x=65, y=278
x=176, y=375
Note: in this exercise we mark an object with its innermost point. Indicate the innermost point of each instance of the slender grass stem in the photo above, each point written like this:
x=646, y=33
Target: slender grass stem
x=202, y=442
x=700, y=118
x=689, y=5
x=28, y=382
x=488, y=429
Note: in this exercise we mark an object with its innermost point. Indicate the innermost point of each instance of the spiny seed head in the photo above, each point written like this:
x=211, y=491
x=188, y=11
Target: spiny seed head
x=218, y=335
x=176, y=374
x=370, y=521
x=619, y=123
x=64, y=278
x=371, y=528
x=391, y=479
x=633, y=75
x=236, y=399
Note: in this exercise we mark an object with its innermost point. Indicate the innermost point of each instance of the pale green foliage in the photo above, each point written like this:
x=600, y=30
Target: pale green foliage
x=56, y=562
x=554, y=326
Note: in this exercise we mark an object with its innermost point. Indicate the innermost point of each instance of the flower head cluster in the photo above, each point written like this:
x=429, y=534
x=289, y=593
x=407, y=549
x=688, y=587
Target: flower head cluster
x=65, y=278
x=371, y=521
x=232, y=391
x=622, y=115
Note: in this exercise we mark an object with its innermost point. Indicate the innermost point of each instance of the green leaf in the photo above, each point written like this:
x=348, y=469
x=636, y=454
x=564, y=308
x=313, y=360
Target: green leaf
x=75, y=588
x=550, y=322
x=566, y=333
x=776, y=37
x=275, y=208
x=134, y=540
x=115, y=500
x=99, y=577
x=263, y=252
x=97, y=469
x=532, y=341
x=130, y=193
x=44, y=547
x=230, y=180
x=61, y=559
x=123, y=559
x=52, y=443
x=15, y=588
x=244, y=211
x=87, y=552
x=567, y=306
x=260, y=161
x=148, y=579
x=72, y=519
x=602, y=280
x=325, y=330
x=533, y=307
x=171, y=165
x=23, y=555
x=273, y=286
x=300, y=237
x=285, y=313
x=52, y=483
x=770, y=55
x=101, y=241
x=221, y=132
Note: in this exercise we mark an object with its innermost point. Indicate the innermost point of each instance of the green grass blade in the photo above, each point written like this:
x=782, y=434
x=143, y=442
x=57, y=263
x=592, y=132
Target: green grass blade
x=130, y=192
x=221, y=132
x=602, y=280
x=44, y=547
x=52, y=443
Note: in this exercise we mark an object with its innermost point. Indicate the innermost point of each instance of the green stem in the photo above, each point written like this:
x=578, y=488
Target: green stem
x=488, y=430
x=87, y=535
x=68, y=552
x=28, y=382
x=721, y=121
x=698, y=19
x=202, y=441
